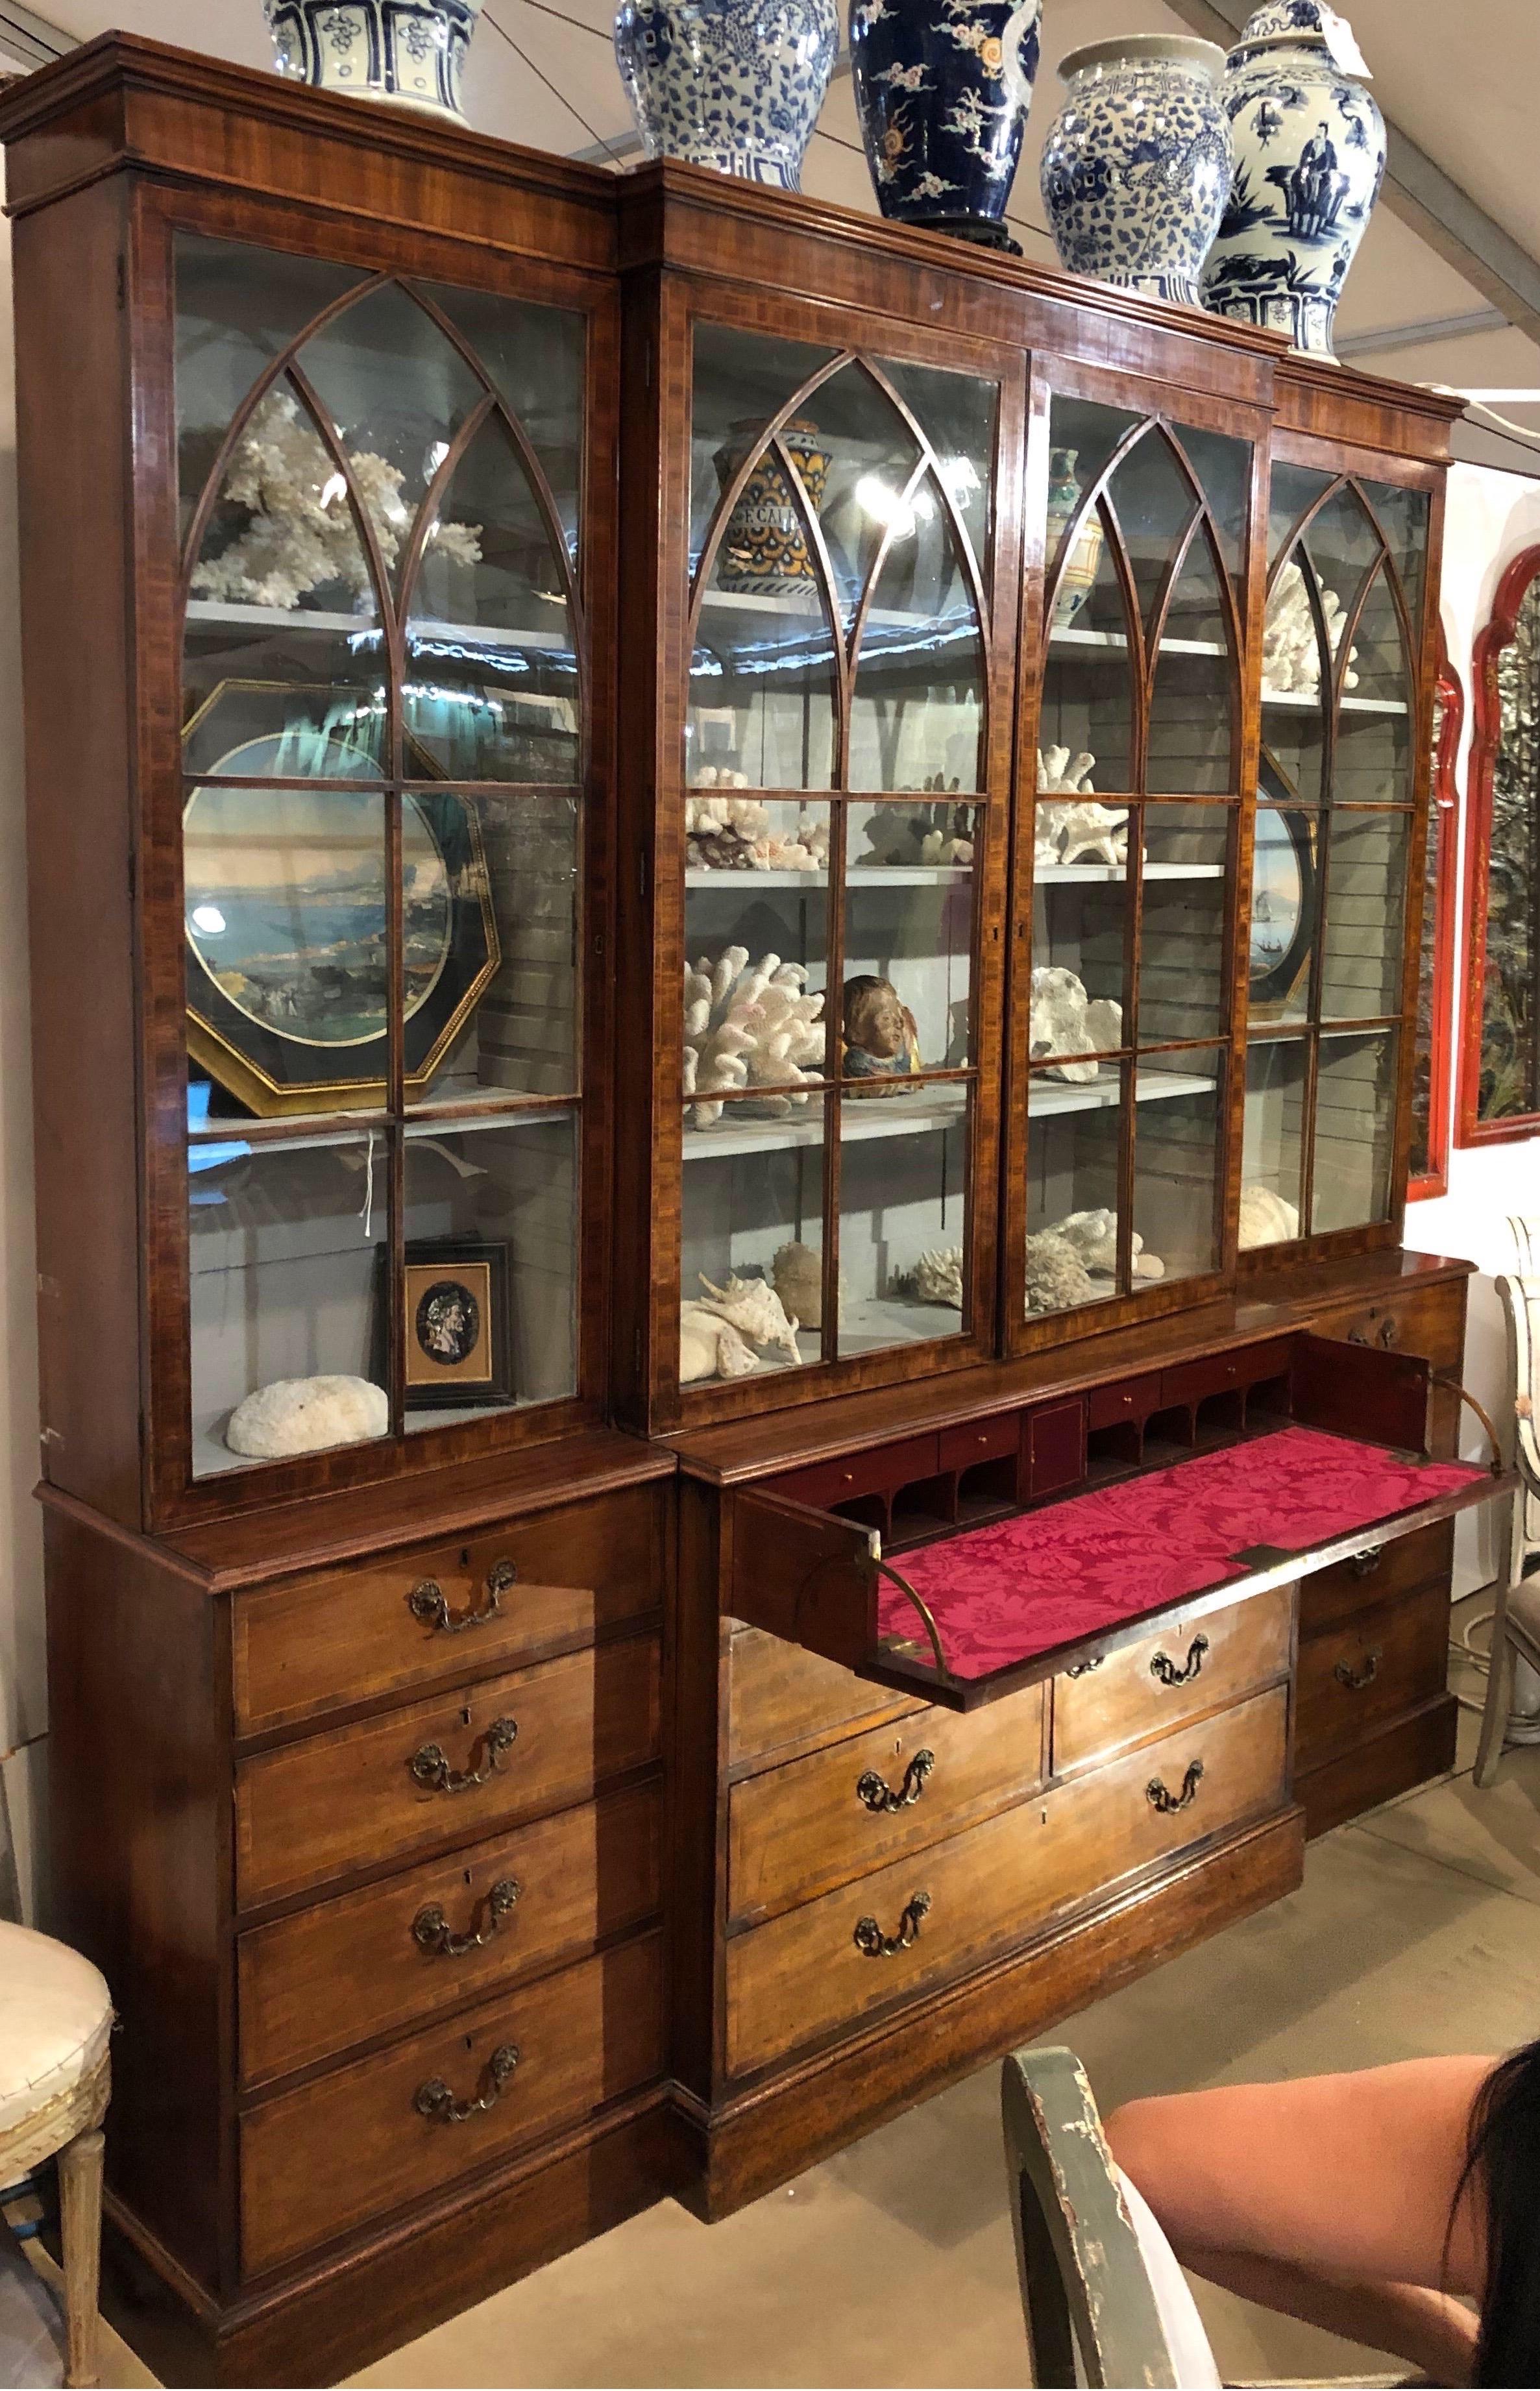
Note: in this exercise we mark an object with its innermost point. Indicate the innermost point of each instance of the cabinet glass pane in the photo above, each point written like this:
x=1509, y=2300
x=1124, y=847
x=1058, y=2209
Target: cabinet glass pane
x=1073, y=1142
x=957, y=413
x=238, y=308
x=505, y=995
x=742, y=381
x=285, y=1244
x=491, y=684
x=910, y=926
x=1272, y=1169
x=1183, y=952
x=1299, y=648
x=1366, y=916
x=1080, y=974
x=488, y=1308
x=752, y=1211
x=1295, y=490
x=762, y=676
x=862, y=463
x=917, y=707
x=1285, y=898
x=1403, y=517
x=1086, y=727
x=1176, y=1152
x=1374, y=731
x=1354, y=1129
x=754, y=1016
x=1223, y=469
x=1154, y=502
x=1191, y=740
x=533, y=357
x=903, y=1215
x=396, y=391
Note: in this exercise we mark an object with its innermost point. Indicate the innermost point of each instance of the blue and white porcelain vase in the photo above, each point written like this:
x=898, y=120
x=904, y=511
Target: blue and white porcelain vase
x=942, y=91
x=1136, y=166
x=1310, y=158
x=735, y=84
x=409, y=52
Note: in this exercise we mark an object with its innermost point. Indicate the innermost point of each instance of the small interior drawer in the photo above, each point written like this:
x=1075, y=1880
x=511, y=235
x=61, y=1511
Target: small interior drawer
x=1126, y=1398
x=830, y=1482
x=322, y=1980
x=985, y=1440
x=1358, y=1675
x=1189, y=1667
x=320, y=2159
x=311, y=1812
x=797, y=1830
x=413, y=1618
x=1213, y=1374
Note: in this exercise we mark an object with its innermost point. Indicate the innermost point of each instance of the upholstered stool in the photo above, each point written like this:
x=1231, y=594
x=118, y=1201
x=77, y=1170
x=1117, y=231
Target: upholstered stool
x=56, y=2015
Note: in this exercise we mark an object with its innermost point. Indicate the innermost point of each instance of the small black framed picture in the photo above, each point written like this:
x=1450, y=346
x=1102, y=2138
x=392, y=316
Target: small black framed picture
x=457, y=1323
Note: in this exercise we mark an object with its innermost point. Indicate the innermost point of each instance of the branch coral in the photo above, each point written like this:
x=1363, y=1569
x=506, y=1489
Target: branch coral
x=749, y=1026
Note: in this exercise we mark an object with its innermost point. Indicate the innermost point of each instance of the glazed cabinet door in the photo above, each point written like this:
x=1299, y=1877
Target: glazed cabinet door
x=388, y=865
x=1341, y=775
x=836, y=826
x=1129, y=856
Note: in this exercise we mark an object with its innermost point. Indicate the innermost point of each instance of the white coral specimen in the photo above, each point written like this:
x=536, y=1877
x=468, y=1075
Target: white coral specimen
x=1093, y=1236
x=1081, y=833
x=1266, y=1219
x=1290, y=645
x=1064, y=1021
x=749, y=1027
x=1059, y=774
x=1057, y=1278
x=302, y=536
x=753, y=1308
x=937, y=1277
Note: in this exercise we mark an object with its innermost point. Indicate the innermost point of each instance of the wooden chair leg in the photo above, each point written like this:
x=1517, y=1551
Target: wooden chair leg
x=1499, y=1700
x=80, y=2173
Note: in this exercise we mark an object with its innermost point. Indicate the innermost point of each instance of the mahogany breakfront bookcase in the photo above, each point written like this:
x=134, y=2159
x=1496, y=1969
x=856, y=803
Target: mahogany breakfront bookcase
x=463, y=592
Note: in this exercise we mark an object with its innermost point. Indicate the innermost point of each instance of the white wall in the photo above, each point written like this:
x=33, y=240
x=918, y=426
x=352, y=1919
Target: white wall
x=1491, y=516
x=24, y=1690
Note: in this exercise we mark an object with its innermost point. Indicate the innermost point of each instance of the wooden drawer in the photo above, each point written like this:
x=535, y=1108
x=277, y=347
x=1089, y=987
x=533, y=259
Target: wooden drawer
x=317, y=1642
x=1126, y=1398
x=351, y=1799
x=985, y=1440
x=873, y=1472
x=797, y=1830
x=805, y=1976
x=778, y=1694
x=327, y=1979
x=320, y=2159
x=1129, y=1695
x=1428, y=1321
x=1356, y=1676
x=1218, y=1374
x=1406, y=1565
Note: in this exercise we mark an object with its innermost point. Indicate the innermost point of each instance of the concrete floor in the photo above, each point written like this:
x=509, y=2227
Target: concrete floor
x=1415, y=1933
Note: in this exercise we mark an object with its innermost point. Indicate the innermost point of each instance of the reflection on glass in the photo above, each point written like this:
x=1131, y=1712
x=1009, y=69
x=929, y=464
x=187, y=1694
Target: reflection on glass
x=910, y=926
x=1088, y=677
x=1354, y=1125
x=1176, y=1150
x=739, y=378
x=916, y=715
x=1183, y=953
x=1272, y=1169
x=902, y=1209
x=755, y=1213
x=745, y=1030
x=1192, y=742
x=237, y=309
x=958, y=413
x=396, y=389
x=285, y=1245
x=488, y=1308
x=1079, y=976
x=1285, y=890
x=857, y=462
x=534, y=359
x=1073, y=1150
x=1154, y=502
x=1224, y=469
x=491, y=687
x=283, y=631
x=511, y=993
x=1366, y=909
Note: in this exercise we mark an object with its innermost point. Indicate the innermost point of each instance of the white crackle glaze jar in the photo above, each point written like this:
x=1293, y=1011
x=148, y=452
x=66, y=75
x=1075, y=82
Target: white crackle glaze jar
x=410, y=53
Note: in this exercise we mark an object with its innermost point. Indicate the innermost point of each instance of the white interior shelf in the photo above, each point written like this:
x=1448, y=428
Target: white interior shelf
x=1046, y=1097
x=862, y=1117
x=1073, y=875
x=1071, y=638
x=881, y=875
x=217, y=613
x=810, y=611
x=1300, y=700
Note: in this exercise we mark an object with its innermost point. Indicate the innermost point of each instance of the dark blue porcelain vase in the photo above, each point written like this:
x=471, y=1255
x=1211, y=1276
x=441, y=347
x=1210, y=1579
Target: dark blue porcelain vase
x=942, y=89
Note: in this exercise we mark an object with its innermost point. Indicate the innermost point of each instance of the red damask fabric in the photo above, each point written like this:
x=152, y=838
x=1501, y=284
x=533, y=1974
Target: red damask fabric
x=1001, y=1593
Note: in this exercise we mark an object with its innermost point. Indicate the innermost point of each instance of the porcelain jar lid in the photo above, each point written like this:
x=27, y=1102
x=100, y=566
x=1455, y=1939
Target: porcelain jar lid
x=1184, y=51
x=1308, y=24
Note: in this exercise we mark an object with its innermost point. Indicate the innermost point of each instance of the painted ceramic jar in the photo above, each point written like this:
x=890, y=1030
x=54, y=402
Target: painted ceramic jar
x=1078, y=576
x=942, y=90
x=1137, y=165
x=1310, y=158
x=409, y=52
x=735, y=84
x=764, y=552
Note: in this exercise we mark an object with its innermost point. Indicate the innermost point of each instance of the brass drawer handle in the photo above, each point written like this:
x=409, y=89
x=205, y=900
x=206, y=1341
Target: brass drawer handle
x=1385, y=1335
x=1363, y=1564
x=1357, y=1679
x=431, y=1767
x=1161, y=1798
x=879, y=1796
x=434, y=2099
x=1170, y=1674
x=1083, y=1668
x=429, y=1602
x=870, y=1940
x=431, y=1931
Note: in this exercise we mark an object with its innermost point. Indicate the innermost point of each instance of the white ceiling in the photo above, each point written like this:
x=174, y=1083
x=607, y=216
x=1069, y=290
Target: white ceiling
x=1460, y=82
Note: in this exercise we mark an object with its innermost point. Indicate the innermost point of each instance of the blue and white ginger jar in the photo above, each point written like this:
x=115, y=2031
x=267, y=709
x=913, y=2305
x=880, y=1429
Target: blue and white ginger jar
x=1136, y=166
x=1310, y=158
x=409, y=52
x=942, y=90
x=735, y=84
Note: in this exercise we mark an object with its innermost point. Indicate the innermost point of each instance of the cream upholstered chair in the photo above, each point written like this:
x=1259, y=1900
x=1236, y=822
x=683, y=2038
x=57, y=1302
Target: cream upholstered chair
x=56, y=2016
x=1099, y=2279
x=1516, y=1620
